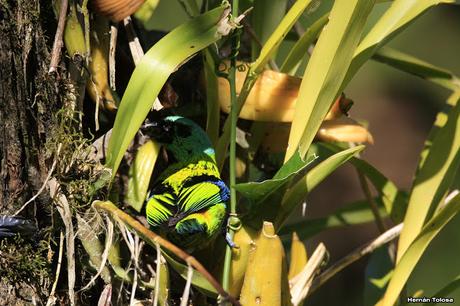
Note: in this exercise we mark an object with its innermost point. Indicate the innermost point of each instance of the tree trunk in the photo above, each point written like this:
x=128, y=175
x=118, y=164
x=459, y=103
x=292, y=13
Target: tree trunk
x=29, y=98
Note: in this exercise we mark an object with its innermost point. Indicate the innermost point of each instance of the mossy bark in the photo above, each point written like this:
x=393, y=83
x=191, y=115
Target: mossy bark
x=29, y=98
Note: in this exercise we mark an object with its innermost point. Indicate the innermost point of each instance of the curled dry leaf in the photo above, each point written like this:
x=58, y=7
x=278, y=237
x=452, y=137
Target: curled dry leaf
x=273, y=97
x=345, y=130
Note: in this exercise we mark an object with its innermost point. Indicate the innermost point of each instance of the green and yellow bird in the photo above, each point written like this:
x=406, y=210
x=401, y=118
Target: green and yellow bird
x=187, y=204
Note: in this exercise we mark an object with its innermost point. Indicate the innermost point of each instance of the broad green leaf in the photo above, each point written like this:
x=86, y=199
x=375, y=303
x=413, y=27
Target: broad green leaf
x=433, y=178
x=295, y=195
x=400, y=14
x=197, y=279
x=139, y=174
x=257, y=191
x=414, y=252
x=394, y=200
x=413, y=65
x=154, y=69
x=278, y=35
x=352, y=214
x=326, y=70
x=300, y=48
x=269, y=48
x=446, y=290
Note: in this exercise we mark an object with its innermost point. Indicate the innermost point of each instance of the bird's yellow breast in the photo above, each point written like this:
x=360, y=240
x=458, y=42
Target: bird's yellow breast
x=195, y=169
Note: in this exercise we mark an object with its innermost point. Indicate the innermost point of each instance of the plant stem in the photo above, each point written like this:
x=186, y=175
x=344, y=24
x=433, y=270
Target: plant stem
x=375, y=209
x=57, y=45
x=153, y=239
x=344, y=262
x=233, y=122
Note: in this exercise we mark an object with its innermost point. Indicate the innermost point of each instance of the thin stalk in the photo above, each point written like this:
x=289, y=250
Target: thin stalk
x=256, y=69
x=57, y=45
x=360, y=252
x=374, y=208
x=233, y=122
x=152, y=239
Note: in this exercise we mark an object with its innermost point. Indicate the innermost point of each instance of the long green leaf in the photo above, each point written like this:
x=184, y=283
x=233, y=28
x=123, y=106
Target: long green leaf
x=300, y=48
x=295, y=195
x=326, y=70
x=415, y=251
x=353, y=214
x=269, y=48
x=433, y=178
x=413, y=65
x=400, y=14
x=257, y=191
x=152, y=72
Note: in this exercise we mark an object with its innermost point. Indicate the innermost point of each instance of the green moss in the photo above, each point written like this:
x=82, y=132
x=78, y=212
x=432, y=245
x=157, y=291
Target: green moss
x=22, y=262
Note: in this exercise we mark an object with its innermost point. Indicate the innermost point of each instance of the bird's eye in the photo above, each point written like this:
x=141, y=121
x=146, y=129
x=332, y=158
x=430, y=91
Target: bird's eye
x=166, y=127
x=183, y=131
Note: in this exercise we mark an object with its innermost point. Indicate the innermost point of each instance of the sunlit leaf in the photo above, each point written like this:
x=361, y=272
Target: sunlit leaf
x=139, y=174
x=297, y=193
x=433, y=178
x=152, y=72
x=400, y=14
x=268, y=49
x=413, y=65
x=416, y=249
x=326, y=70
x=257, y=191
x=300, y=48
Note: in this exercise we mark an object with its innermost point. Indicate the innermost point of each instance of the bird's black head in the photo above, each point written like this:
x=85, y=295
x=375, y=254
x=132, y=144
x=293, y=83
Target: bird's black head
x=181, y=136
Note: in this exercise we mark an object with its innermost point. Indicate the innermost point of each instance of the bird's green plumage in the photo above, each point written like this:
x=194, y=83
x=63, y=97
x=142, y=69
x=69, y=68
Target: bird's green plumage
x=188, y=201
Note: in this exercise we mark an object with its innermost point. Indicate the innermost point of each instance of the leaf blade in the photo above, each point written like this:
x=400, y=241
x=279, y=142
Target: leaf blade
x=295, y=195
x=160, y=61
x=415, y=251
x=326, y=70
x=433, y=178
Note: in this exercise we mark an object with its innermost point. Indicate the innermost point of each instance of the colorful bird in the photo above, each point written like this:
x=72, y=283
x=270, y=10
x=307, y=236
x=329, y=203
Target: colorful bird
x=188, y=201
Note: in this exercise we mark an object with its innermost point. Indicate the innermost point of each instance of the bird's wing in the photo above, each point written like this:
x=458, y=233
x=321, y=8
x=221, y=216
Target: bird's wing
x=159, y=208
x=199, y=196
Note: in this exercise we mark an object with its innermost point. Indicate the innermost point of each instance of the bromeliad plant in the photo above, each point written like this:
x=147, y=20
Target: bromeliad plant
x=259, y=207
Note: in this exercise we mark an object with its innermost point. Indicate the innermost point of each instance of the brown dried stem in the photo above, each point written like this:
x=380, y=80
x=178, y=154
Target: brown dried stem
x=152, y=238
x=57, y=45
x=381, y=240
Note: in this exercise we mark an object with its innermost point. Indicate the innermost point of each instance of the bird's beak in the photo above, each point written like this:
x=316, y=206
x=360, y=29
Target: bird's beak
x=158, y=131
x=154, y=128
x=150, y=124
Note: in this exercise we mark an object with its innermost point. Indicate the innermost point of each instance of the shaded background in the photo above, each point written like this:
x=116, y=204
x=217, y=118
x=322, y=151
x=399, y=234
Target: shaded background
x=400, y=110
